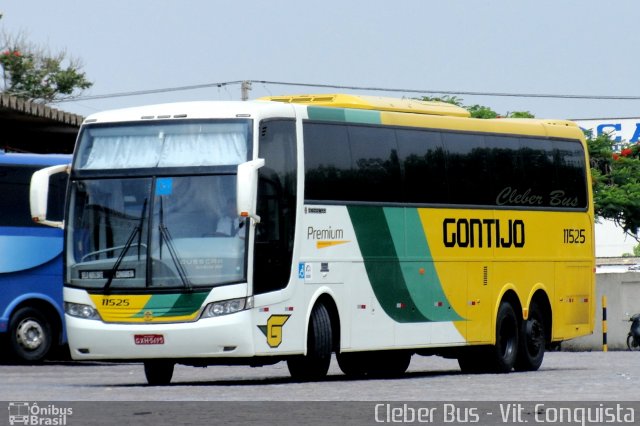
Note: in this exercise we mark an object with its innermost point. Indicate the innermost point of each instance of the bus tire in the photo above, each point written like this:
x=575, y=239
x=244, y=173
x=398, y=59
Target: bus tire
x=158, y=372
x=632, y=343
x=30, y=335
x=532, y=341
x=374, y=364
x=502, y=355
x=473, y=361
x=353, y=364
x=390, y=363
x=315, y=364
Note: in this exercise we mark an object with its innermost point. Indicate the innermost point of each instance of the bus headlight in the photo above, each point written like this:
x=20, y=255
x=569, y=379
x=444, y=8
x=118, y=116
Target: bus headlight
x=81, y=311
x=226, y=307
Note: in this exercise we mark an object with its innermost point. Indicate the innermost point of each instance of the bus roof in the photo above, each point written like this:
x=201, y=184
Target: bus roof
x=34, y=159
x=377, y=103
x=392, y=111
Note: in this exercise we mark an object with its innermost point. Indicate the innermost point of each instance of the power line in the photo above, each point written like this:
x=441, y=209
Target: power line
x=452, y=92
x=150, y=92
x=247, y=83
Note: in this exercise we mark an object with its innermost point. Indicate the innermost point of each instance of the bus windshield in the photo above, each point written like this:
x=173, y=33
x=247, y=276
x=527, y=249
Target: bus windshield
x=163, y=144
x=174, y=228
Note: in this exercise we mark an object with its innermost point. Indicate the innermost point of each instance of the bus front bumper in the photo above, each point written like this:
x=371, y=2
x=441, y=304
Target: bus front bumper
x=228, y=336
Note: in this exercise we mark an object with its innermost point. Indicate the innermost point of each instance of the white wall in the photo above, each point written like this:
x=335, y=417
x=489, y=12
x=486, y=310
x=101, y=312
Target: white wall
x=611, y=241
x=623, y=300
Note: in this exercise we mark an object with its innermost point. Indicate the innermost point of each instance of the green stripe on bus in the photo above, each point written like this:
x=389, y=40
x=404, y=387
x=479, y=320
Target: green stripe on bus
x=418, y=270
x=173, y=305
x=382, y=264
x=344, y=115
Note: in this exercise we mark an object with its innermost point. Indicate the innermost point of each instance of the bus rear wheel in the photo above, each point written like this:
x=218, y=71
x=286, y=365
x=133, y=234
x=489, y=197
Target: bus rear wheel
x=532, y=341
x=353, y=364
x=315, y=364
x=158, y=372
x=30, y=335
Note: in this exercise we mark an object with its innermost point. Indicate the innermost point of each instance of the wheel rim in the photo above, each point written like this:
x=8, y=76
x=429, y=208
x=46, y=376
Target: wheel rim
x=535, y=336
x=30, y=334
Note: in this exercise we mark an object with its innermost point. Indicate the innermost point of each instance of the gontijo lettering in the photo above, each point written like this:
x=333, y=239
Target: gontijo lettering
x=470, y=233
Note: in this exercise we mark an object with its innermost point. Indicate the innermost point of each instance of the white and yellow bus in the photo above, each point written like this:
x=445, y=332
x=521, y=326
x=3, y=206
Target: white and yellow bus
x=292, y=228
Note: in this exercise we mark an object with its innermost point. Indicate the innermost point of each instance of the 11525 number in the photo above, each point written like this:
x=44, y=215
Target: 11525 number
x=574, y=236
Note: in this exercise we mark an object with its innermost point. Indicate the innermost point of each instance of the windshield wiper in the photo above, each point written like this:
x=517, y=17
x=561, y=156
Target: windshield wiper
x=136, y=230
x=166, y=236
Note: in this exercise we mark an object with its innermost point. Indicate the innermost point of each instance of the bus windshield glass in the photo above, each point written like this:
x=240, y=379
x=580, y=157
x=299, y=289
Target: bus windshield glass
x=155, y=224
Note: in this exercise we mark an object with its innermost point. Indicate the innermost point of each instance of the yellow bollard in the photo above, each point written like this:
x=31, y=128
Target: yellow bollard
x=604, y=323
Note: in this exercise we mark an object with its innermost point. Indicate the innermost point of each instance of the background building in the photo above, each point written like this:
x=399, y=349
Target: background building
x=27, y=126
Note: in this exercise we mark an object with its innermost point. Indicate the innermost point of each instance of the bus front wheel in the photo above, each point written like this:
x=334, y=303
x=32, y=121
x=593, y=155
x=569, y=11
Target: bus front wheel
x=315, y=364
x=158, y=372
x=498, y=358
x=30, y=335
x=504, y=353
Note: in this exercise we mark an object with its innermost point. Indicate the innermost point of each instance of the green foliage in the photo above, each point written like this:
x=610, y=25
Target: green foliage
x=616, y=182
x=40, y=77
x=32, y=73
x=477, y=111
x=636, y=252
x=520, y=114
x=446, y=98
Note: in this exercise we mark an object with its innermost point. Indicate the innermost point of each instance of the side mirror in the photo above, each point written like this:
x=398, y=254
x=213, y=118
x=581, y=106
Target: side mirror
x=247, y=188
x=39, y=194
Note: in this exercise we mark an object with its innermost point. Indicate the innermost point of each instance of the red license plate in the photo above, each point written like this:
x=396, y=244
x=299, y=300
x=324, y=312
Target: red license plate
x=148, y=339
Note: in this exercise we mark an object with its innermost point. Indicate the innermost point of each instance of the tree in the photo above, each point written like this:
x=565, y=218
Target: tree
x=33, y=73
x=616, y=182
x=477, y=111
x=636, y=252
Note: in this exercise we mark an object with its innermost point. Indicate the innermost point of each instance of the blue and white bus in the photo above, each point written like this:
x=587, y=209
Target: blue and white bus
x=31, y=313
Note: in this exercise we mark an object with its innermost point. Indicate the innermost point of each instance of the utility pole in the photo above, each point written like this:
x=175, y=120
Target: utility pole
x=244, y=88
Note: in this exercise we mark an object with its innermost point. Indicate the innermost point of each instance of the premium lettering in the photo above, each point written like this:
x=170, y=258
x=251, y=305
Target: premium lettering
x=481, y=233
x=324, y=234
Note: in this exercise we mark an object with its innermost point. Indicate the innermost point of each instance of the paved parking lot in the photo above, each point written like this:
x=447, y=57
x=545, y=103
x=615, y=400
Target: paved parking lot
x=571, y=376
x=433, y=391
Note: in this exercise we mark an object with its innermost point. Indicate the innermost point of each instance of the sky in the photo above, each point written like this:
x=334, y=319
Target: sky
x=558, y=47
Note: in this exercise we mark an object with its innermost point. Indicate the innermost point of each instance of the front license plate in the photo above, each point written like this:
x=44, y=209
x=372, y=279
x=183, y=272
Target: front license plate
x=148, y=339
